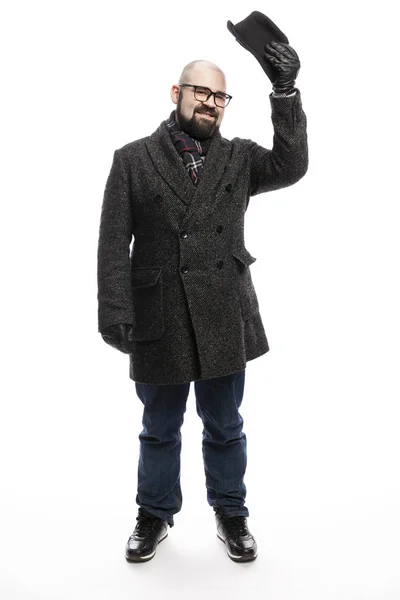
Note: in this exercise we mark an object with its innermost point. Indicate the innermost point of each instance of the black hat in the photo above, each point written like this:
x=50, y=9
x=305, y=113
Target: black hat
x=253, y=33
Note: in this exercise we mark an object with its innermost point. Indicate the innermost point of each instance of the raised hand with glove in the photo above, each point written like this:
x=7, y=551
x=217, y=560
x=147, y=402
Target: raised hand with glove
x=261, y=36
x=287, y=64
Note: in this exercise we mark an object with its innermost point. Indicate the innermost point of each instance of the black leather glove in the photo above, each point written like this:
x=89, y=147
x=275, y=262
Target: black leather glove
x=120, y=336
x=287, y=64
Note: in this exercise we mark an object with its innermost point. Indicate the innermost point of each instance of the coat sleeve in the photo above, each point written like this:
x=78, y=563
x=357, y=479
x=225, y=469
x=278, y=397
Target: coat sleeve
x=113, y=263
x=287, y=162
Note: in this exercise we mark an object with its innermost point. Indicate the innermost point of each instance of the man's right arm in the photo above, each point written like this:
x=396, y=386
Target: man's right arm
x=113, y=262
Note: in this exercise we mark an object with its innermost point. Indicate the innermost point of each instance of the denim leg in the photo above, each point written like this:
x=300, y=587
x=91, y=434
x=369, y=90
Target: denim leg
x=159, y=492
x=224, y=443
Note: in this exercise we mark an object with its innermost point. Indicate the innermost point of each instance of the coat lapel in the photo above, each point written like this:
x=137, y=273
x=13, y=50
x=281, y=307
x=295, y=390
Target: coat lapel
x=169, y=164
x=171, y=168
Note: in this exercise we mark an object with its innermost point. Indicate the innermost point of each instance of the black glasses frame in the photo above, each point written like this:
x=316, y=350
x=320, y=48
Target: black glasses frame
x=227, y=96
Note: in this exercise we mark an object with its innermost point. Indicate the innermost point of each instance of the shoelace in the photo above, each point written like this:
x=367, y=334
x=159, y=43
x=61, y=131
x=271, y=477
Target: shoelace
x=237, y=524
x=145, y=524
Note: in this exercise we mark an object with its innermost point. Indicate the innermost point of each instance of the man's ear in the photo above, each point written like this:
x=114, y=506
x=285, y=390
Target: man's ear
x=174, y=93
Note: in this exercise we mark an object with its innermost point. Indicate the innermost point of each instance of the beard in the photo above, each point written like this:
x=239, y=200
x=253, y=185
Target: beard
x=199, y=128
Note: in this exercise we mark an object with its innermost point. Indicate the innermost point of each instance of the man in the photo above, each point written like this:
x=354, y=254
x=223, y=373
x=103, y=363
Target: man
x=182, y=302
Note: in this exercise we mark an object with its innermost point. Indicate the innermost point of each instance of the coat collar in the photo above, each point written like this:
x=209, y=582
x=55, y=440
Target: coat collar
x=171, y=168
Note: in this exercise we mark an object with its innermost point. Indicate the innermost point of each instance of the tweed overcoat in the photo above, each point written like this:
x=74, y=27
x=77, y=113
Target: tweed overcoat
x=185, y=283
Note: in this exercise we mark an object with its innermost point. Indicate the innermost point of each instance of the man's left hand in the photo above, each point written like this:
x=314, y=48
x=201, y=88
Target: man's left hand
x=287, y=64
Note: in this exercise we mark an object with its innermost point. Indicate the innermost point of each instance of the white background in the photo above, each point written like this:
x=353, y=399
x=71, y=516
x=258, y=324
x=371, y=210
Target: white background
x=321, y=409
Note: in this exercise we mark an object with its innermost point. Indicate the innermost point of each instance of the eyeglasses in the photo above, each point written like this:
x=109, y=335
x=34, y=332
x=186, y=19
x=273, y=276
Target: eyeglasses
x=202, y=94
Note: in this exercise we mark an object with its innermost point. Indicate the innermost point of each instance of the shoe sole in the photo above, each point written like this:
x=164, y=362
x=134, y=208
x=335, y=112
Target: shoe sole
x=148, y=556
x=235, y=557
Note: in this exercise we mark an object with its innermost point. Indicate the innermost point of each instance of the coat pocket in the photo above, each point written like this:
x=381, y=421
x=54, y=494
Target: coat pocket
x=148, y=308
x=245, y=286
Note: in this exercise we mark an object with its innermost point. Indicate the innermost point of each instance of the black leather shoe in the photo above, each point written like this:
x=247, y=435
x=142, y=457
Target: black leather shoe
x=233, y=531
x=149, y=531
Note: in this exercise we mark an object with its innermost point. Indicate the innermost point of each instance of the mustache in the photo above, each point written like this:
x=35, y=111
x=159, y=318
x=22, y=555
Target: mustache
x=207, y=112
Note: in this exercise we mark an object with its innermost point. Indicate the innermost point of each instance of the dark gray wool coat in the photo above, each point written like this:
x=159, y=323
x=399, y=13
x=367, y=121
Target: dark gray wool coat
x=186, y=285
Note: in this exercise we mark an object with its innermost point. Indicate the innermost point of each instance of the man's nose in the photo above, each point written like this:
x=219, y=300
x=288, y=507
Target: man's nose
x=210, y=103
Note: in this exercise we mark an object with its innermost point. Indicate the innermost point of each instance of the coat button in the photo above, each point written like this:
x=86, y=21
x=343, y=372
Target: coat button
x=228, y=187
x=158, y=198
x=184, y=234
x=220, y=264
x=184, y=269
x=219, y=228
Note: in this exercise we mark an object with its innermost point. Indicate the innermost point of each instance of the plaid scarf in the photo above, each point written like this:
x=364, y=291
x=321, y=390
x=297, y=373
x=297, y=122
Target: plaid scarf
x=191, y=151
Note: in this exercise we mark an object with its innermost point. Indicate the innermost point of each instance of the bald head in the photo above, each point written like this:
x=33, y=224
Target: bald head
x=199, y=67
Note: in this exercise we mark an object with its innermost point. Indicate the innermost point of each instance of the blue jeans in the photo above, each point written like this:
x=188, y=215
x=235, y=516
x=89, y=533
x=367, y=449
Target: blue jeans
x=223, y=442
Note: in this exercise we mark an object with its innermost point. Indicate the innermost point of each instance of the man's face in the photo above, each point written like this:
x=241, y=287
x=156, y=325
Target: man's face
x=191, y=114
